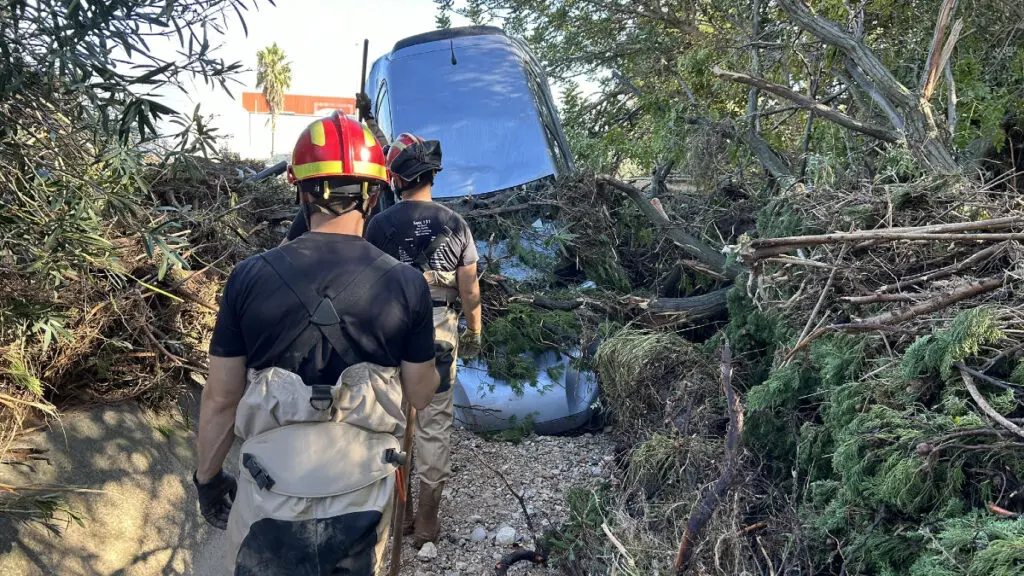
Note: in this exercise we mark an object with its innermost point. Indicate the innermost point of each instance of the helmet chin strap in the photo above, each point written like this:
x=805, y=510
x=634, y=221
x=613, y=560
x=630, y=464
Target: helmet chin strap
x=360, y=206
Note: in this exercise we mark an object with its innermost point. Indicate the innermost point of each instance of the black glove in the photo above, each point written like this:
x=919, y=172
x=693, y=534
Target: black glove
x=470, y=344
x=216, y=497
x=363, y=105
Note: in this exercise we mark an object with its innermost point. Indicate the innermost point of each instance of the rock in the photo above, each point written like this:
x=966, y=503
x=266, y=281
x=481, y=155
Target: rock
x=547, y=475
x=461, y=566
x=427, y=553
x=474, y=519
x=596, y=471
x=478, y=534
x=506, y=536
x=496, y=556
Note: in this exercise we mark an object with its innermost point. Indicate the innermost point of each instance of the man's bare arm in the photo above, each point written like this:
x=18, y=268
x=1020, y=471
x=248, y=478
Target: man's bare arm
x=419, y=382
x=469, y=293
x=221, y=394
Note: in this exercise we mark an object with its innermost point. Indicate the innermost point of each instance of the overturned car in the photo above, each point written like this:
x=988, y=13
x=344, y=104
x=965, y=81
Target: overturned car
x=485, y=97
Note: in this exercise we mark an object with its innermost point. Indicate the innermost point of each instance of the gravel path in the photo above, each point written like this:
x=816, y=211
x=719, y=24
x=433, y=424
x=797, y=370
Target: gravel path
x=478, y=509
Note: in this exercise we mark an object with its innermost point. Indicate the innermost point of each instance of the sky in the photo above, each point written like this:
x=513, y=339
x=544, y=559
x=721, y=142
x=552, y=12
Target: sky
x=323, y=41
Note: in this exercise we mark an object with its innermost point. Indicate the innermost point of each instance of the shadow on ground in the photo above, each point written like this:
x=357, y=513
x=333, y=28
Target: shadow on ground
x=146, y=521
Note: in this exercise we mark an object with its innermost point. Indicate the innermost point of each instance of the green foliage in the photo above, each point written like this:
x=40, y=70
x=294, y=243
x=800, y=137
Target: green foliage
x=517, y=431
x=588, y=510
x=1017, y=377
x=52, y=511
x=83, y=140
x=779, y=219
x=474, y=10
x=754, y=332
x=442, y=20
x=653, y=462
x=937, y=352
x=515, y=339
x=21, y=375
x=975, y=544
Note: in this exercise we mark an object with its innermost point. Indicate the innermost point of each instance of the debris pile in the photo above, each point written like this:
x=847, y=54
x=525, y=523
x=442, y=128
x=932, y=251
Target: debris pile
x=137, y=325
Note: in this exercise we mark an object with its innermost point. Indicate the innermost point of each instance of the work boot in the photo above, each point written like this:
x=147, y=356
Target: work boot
x=409, y=519
x=427, y=526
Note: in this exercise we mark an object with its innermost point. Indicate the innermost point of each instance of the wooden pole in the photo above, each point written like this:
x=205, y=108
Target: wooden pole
x=399, y=516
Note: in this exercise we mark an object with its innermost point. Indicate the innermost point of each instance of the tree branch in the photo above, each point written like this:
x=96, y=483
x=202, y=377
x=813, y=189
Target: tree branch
x=939, y=302
x=987, y=408
x=769, y=159
x=863, y=56
x=951, y=103
x=810, y=104
x=975, y=258
x=689, y=243
x=868, y=86
x=707, y=504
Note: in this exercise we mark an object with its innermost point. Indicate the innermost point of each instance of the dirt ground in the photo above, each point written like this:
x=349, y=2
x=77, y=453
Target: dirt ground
x=142, y=518
x=477, y=505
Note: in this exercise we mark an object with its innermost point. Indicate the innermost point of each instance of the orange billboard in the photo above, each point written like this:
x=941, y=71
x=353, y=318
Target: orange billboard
x=299, y=104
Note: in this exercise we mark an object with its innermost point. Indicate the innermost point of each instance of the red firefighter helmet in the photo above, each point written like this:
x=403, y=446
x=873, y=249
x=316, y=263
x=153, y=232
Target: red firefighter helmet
x=337, y=146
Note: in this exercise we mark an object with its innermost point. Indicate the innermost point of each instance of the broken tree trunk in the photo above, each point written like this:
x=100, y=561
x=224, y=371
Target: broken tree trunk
x=923, y=136
x=689, y=243
x=692, y=308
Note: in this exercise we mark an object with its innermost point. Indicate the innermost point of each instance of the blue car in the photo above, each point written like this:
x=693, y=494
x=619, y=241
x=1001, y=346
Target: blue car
x=483, y=95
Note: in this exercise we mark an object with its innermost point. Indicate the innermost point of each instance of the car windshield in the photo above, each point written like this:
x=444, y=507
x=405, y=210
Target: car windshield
x=482, y=110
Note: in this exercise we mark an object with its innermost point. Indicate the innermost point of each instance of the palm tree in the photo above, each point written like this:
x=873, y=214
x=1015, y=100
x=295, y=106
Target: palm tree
x=273, y=77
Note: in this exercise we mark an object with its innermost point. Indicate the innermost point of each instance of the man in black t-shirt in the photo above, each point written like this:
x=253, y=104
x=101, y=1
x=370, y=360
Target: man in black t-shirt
x=437, y=241
x=316, y=346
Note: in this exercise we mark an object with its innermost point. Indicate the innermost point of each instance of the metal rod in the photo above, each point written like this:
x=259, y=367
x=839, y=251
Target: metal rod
x=362, y=77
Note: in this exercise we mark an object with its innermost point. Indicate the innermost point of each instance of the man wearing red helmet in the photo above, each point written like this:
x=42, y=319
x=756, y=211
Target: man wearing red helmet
x=316, y=345
x=439, y=243
x=300, y=224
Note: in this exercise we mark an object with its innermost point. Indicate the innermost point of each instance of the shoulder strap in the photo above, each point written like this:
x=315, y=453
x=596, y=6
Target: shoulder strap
x=422, y=261
x=323, y=310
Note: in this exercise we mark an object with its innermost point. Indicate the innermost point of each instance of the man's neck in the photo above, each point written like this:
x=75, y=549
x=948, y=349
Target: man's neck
x=350, y=223
x=421, y=194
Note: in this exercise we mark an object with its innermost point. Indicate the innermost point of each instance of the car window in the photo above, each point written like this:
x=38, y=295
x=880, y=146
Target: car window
x=547, y=119
x=383, y=111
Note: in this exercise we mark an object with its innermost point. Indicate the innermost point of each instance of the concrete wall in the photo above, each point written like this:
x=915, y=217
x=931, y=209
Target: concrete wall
x=252, y=134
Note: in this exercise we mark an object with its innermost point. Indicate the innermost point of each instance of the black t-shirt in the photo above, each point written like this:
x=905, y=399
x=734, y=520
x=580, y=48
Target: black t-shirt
x=259, y=314
x=415, y=225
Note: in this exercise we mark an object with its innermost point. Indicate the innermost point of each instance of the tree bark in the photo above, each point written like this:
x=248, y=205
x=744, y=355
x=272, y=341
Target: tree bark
x=693, y=307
